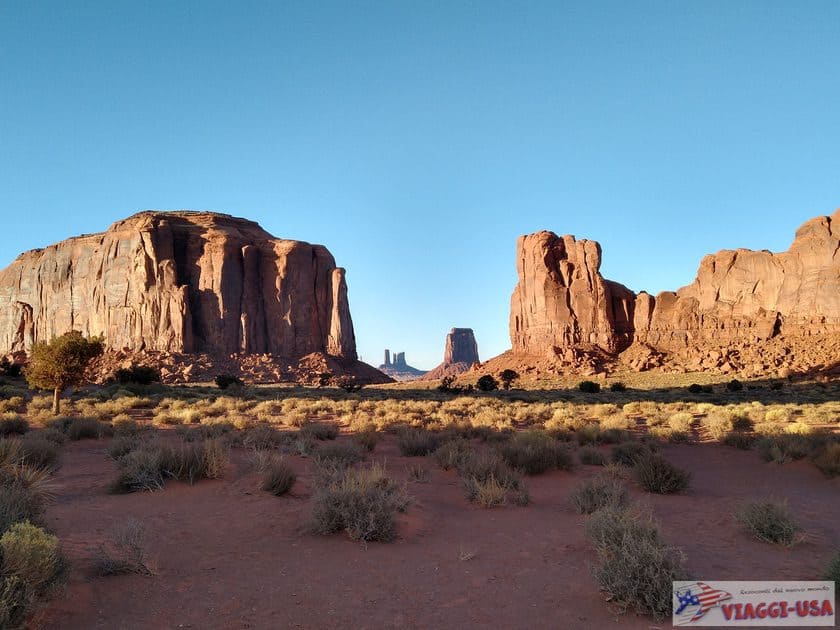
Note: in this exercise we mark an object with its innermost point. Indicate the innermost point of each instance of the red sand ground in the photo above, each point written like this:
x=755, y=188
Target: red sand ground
x=228, y=555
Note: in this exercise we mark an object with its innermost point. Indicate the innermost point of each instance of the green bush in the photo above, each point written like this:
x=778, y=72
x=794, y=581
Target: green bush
x=734, y=385
x=137, y=374
x=656, y=474
x=223, y=381
x=589, y=387
x=769, y=522
x=535, y=452
x=361, y=502
x=618, y=386
x=31, y=554
x=597, y=493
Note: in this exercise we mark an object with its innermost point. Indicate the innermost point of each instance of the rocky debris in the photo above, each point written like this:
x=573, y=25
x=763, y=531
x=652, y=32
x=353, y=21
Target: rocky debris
x=398, y=369
x=747, y=312
x=459, y=355
x=179, y=284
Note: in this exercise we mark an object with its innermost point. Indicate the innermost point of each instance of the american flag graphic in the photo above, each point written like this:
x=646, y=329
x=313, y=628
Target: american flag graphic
x=696, y=600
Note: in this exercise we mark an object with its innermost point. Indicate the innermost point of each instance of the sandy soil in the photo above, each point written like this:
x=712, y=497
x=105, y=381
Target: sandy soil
x=228, y=555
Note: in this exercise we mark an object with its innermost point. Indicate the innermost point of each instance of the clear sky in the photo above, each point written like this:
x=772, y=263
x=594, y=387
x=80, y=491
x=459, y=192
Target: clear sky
x=417, y=140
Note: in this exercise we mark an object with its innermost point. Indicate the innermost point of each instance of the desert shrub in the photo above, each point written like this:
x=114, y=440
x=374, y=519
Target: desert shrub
x=348, y=383
x=125, y=551
x=121, y=445
x=278, y=477
x=656, y=474
x=598, y=492
x=194, y=461
x=484, y=474
x=223, y=381
x=681, y=421
x=717, y=425
x=138, y=374
x=589, y=433
x=507, y=377
x=13, y=424
x=209, y=431
x=618, y=386
x=487, y=383
x=23, y=493
x=452, y=453
x=591, y=456
x=417, y=442
x=124, y=424
x=361, y=502
x=140, y=470
x=39, y=452
x=670, y=435
x=340, y=453
x=734, y=385
x=31, y=554
x=769, y=522
x=627, y=453
x=695, y=388
x=367, y=438
x=320, y=430
x=589, y=387
x=85, y=428
x=832, y=572
x=739, y=440
x=634, y=567
x=827, y=460
x=783, y=448
x=263, y=437
x=16, y=601
x=614, y=436
x=535, y=452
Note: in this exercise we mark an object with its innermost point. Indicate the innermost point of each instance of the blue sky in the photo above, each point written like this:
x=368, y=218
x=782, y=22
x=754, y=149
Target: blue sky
x=417, y=140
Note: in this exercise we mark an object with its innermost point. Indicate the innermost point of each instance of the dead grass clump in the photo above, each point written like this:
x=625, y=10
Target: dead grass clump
x=417, y=442
x=362, y=502
x=597, y=493
x=535, y=452
x=39, y=452
x=589, y=433
x=320, y=430
x=339, y=453
x=367, y=437
x=627, y=453
x=634, y=567
x=13, y=424
x=278, y=477
x=739, y=440
x=827, y=460
x=125, y=551
x=452, y=453
x=656, y=474
x=86, y=429
x=769, y=522
x=490, y=482
x=147, y=468
x=591, y=456
x=263, y=437
x=783, y=448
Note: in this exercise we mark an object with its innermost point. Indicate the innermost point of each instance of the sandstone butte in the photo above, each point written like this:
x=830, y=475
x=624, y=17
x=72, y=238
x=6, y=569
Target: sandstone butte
x=750, y=312
x=187, y=289
x=459, y=355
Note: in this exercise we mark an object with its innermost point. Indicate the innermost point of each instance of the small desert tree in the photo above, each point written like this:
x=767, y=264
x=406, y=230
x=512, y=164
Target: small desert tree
x=61, y=363
x=507, y=377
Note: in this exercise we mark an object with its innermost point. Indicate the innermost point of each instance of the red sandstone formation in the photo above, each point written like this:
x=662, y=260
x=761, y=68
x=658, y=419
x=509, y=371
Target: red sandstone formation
x=460, y=354
x=756, y=312
x=181, y=283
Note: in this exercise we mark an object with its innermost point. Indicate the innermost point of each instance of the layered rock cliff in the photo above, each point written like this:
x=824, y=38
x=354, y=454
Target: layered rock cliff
x=181, y=282
x=563, y=308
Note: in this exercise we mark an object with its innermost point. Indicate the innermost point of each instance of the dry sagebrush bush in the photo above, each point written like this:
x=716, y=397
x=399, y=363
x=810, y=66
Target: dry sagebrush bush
x=125, y=551
x=278, y=476
x=30, y=554
x=338, y=453
x=362, y=502
x=417, y=442
x=656, y=474
x=489, y=481
x=634, y=566
x=769, y=522
x=597, y=493
x=535, y=452
x=591, y=456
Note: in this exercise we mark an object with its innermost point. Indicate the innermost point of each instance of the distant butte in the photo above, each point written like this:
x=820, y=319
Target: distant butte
x=460, y=354
x=399, y=370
